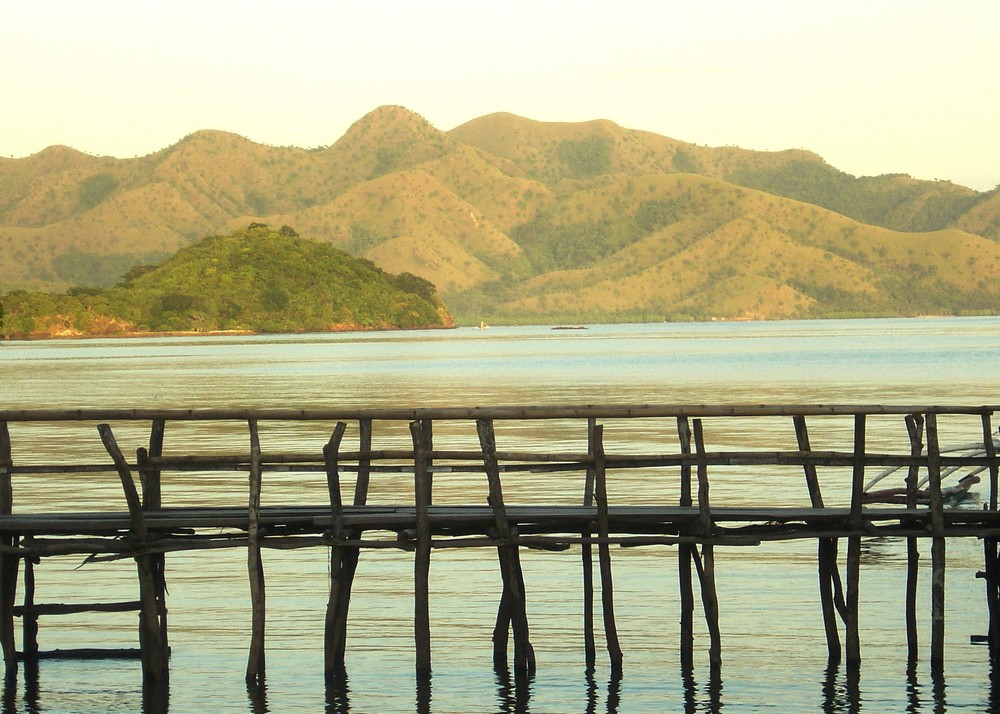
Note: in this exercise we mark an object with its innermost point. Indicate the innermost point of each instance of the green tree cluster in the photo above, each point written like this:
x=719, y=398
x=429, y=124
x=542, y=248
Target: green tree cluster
x=255, y=280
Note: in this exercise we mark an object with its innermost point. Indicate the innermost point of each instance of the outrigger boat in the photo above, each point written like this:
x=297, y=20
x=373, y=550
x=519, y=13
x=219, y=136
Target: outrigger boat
x=953, y=493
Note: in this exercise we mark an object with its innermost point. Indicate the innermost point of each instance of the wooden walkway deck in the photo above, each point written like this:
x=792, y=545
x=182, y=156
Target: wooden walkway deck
x=711, y=446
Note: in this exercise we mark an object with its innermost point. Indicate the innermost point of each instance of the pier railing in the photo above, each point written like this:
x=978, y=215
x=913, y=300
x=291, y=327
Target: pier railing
x=558, y=478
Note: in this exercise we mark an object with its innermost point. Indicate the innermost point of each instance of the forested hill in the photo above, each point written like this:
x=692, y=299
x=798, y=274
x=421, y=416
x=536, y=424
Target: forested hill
x=516, y=220
x=255, y=280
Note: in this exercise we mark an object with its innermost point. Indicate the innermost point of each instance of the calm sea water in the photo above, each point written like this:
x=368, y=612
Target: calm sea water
x=773, y=645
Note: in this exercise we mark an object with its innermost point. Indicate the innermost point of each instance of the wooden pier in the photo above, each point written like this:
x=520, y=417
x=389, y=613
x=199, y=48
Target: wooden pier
x=580, y=479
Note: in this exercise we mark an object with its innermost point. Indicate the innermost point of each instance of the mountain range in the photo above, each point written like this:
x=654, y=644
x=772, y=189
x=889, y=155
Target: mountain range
x=515, y=220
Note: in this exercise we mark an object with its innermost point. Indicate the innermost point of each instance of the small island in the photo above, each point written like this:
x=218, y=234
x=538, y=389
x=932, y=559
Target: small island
x=257, y=280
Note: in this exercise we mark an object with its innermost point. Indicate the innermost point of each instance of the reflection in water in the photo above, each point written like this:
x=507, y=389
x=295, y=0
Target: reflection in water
x=338, y=699
x=711, y=701
x=424, y=694
x=842, y=696
x=614, y=692
x=257, y=696
x=513, y=693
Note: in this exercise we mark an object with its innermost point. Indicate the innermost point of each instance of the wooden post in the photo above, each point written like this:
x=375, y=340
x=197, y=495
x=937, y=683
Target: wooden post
x=826, y=554
x=937, y=544
x=419, y=432
x=604, y=554
x=255, y=566
x=152, y=500
x=685, y=555
x=587, y=555
x=8, y=563
x=511, y=611
x=29, y=615
x=152, y=648
x=915, y=429
x=350, y=556
x=334, y=630
x=991, y=571
x=853, y=643
x=709, y=596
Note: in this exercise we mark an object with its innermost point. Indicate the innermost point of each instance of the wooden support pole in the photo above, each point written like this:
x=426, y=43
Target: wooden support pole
x=991, y=571
x=334, y=630
x=419, y=432
x=937, y=544
x=512, y=611
x=685, y=555
x=8, y=563
x=153, y=651
x=604, y=555
x=915, y=430
x=826, y=554
x=853, y=636
x=29, y=613
x=709, y=596
x=255, y=567
x=587, y=556
x=152, y=500
x=350, y=555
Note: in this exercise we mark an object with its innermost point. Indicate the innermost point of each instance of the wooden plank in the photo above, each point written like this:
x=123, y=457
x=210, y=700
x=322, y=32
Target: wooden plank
x=604, y=411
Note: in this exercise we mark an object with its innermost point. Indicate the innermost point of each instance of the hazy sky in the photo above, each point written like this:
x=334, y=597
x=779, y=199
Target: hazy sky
x=873, y=86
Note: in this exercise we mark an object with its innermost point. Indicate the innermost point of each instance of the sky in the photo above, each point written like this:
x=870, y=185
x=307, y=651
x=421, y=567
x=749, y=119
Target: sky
x=872, y=86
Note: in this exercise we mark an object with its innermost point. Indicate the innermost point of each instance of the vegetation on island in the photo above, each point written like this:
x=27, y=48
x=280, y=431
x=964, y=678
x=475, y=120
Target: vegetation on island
x=513, y=221
x=255, y=280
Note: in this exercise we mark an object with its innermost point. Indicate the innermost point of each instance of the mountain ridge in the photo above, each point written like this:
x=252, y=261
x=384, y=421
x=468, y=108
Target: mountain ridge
x=502, y=208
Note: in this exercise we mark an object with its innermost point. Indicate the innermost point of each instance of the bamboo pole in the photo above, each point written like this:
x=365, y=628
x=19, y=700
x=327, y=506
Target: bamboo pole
x=685, y=554
x=937, y=545
x=8, y=563
x=511, y=612
x=914, y=429
x=709, y=596
x=853, y=636
x=604, y=555
x=334, y=630
x=155, y=665
x=419, y=432
x=256, y=657
x=587, y=556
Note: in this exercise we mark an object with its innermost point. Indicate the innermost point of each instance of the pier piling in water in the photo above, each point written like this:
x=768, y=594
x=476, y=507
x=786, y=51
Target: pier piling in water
x=152, y=522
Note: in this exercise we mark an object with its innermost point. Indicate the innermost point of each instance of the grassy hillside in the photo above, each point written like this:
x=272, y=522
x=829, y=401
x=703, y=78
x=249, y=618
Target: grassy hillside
x=255, y=280
x=519, y=220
